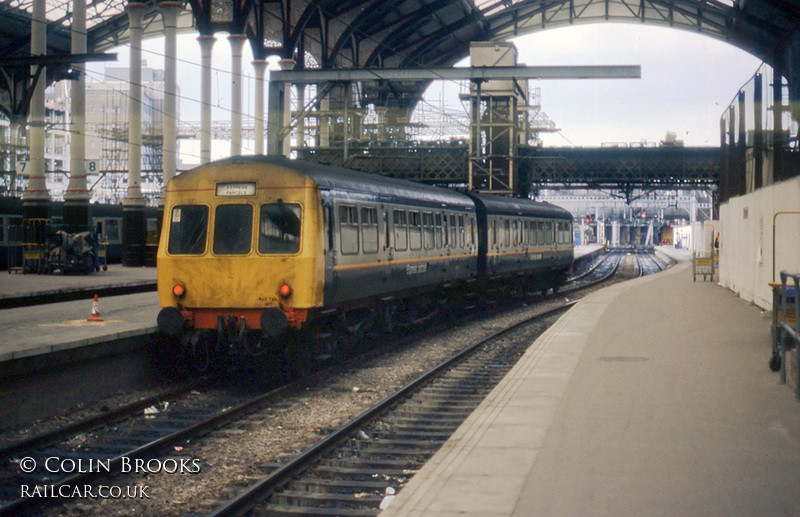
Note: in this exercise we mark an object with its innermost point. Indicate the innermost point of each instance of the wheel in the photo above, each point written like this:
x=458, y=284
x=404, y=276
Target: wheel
x=775, y=362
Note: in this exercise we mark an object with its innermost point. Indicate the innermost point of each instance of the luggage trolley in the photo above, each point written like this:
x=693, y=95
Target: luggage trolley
x=703, y=264
x=785, y=304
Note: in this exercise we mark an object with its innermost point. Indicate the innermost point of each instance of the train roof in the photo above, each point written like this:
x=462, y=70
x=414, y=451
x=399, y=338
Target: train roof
x=337, y=178
x=518, y=206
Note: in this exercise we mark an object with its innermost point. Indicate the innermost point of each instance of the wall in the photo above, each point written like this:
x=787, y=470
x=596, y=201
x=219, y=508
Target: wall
x=746, y=258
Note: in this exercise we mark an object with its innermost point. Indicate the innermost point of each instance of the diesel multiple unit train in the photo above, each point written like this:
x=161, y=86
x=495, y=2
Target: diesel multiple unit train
x=255, y=250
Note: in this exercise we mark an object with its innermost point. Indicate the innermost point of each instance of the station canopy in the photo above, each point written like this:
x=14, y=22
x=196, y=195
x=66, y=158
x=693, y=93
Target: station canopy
x=401, y=33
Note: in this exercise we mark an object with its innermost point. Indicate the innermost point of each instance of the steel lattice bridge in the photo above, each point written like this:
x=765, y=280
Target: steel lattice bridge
x=615, y=168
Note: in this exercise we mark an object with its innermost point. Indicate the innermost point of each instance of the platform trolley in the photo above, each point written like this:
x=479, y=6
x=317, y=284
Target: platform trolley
x=785, y=323
x=102, y=254
x=703, y=264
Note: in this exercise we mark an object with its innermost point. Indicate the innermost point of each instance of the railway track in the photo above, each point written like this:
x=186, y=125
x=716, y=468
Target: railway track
x=86, y=451
x=349, y=471
x=647, y=264
x=128, y=433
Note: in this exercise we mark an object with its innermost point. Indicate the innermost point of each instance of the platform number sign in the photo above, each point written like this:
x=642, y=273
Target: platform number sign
x=22, y=167
x=92, y=167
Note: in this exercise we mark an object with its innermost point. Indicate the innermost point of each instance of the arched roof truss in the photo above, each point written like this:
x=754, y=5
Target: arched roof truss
x=408, y=33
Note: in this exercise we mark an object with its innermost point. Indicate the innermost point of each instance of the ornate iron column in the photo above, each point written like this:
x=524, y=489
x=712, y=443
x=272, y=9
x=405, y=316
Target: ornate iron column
x=77, y=195
x=133, y=229
x=206, y=46
x=260, y=67
x=37, y=198
x=237, y=43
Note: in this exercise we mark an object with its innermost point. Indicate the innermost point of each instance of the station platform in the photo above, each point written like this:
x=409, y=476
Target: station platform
x=650, y=397
x=34, y=330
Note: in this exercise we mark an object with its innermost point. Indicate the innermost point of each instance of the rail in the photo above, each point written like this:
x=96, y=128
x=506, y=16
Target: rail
x=788, y=323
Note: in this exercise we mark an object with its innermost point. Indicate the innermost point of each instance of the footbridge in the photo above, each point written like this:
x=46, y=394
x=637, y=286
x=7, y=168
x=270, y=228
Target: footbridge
x=616, y=168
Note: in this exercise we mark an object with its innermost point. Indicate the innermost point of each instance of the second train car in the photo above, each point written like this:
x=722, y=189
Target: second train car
x=256, y=248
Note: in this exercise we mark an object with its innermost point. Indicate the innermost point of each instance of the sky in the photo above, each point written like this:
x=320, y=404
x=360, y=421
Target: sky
x=687, y=81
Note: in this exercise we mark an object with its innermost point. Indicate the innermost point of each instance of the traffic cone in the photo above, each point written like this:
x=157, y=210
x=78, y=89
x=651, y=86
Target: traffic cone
x=95, y=312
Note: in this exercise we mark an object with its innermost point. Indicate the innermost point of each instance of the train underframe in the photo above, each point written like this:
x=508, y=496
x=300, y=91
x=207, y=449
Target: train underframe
x=334, y=333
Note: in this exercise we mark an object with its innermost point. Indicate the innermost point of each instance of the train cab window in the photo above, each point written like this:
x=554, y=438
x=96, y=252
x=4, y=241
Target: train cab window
x=187, y=230
x=233, y=228
x=348, y=229
x=279, y=228
x=400, y=230
x=369, y=229
x=414, y=230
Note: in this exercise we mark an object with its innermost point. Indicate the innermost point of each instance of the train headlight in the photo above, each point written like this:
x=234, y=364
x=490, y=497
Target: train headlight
x=179, y=290
x=285, y=290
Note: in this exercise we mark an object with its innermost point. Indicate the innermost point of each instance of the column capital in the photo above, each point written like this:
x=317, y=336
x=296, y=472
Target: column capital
x=287, y=64
x=237, y=42
x=170, y=12
x=135, y=12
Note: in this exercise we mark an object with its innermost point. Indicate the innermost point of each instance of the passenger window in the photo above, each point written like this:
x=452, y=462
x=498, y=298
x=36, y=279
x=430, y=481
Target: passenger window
x=400, y=230
x=112, y=232
x=369, y=229
x=453, y=232
x=233, y=227
x=348, y=229
x=548, y=233
x=507, y=232
x=427, y=230
x=414, y=230
x=461, y=235
x=279, y=228
x=151, y=231
x=187, y=230
x=437, y=228
x=526, y=232
x=540, y=233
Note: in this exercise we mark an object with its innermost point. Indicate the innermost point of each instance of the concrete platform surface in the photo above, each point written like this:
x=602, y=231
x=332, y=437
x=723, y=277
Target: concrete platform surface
x=17, y=284
x=53, y=327
x=648, y=398
x=42, y=329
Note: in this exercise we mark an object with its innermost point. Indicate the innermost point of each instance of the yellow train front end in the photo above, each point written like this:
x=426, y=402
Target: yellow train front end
x=240, y=251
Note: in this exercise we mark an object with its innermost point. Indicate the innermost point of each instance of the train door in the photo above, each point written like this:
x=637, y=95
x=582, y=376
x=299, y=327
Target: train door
x=330, y=249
